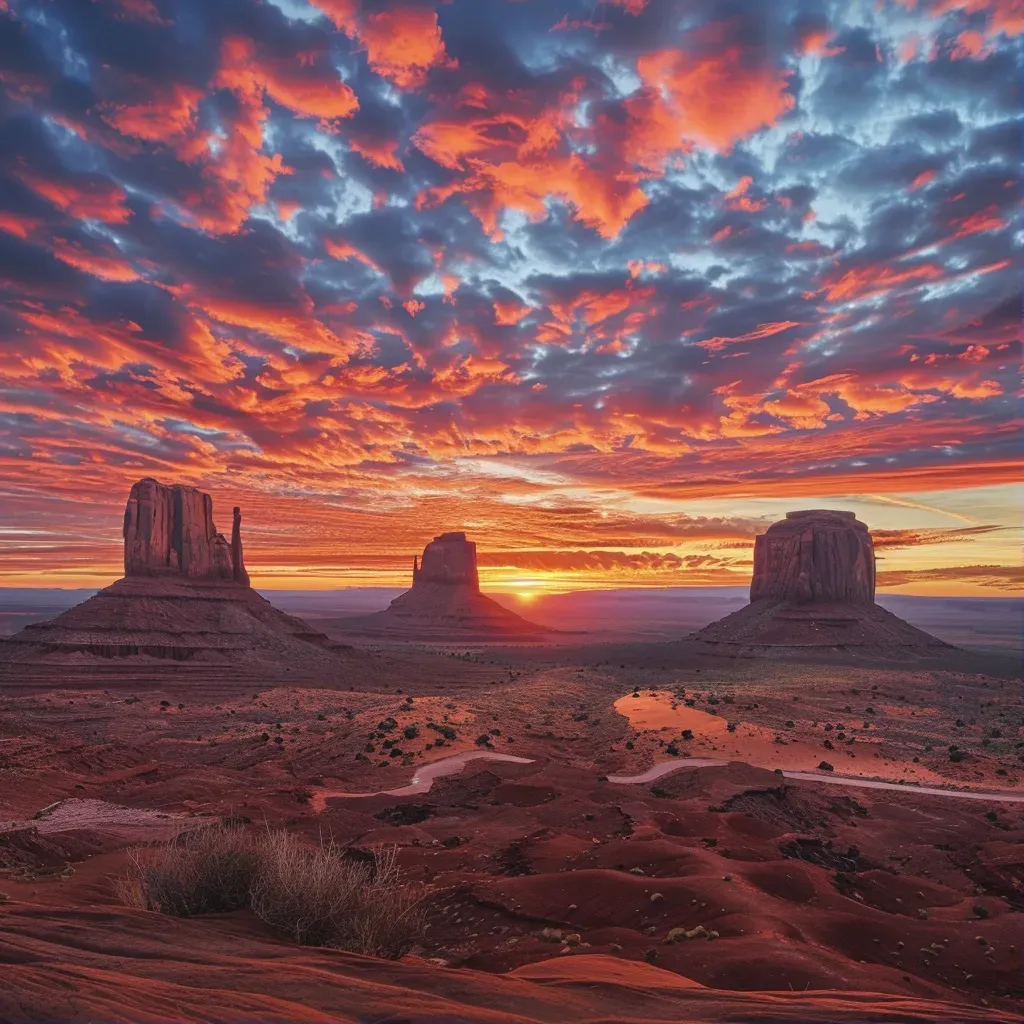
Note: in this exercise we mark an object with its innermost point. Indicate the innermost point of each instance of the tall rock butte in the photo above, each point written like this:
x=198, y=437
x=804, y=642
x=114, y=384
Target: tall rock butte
x=819, y=555
x=169, y=531
x=445, y=599
x=449, y=560
x=813, y=587
x=185, y=596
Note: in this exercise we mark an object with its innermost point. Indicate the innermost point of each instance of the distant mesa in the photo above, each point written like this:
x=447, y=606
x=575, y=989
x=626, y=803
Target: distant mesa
x=445, y=601
x=813, y=587
x=185, y=597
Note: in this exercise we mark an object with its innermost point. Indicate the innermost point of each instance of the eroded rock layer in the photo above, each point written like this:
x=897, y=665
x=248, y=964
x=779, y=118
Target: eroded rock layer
x=185, y=597
x=169, y=531
x=449, y=559
x=817, y=555
x=813, y=587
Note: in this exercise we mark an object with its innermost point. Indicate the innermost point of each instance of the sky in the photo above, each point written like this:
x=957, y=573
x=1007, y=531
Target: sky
x=609, y=284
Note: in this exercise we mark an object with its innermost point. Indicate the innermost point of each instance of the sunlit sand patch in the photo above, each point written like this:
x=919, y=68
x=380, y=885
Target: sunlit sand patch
x=661, y=709
x=797, y=747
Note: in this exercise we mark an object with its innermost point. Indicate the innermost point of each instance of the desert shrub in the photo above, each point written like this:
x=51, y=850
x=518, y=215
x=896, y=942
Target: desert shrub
x=204, y=871
x=311, y=893
x=390, y=914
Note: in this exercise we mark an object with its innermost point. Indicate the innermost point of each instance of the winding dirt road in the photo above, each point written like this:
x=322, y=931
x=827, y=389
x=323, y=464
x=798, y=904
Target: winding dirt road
x=424, y=778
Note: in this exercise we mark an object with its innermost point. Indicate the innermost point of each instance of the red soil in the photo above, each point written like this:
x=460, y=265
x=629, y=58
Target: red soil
x=828, y=903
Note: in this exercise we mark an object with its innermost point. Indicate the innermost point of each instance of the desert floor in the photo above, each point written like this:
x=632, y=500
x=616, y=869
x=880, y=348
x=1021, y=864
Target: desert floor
x=555, y=883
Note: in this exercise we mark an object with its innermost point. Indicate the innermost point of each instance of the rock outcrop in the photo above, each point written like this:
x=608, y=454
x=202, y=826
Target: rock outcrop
x=819, y=555
x=185, y=597
x=237, y=561
x=444, y=601
x=169, y=531
x=449, y=559
x=813, y=587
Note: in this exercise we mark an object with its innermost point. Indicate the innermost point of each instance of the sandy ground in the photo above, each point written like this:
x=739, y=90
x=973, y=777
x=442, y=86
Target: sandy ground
x=817, y=892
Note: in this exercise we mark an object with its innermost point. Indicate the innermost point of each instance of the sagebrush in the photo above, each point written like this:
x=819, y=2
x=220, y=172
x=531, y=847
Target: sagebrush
x=311, y=893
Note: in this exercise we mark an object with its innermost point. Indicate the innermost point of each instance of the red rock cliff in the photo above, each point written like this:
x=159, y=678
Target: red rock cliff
x=169, y=530
x=449, y=559
x=818, y=555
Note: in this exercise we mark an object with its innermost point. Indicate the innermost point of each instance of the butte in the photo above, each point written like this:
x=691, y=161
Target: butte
x=445, y=602
x=814, y=587
x=184, y=609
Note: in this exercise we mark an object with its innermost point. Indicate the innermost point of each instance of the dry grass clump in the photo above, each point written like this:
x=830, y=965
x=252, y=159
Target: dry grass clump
x=312, y=894
x=205, y=871
x=317, y=898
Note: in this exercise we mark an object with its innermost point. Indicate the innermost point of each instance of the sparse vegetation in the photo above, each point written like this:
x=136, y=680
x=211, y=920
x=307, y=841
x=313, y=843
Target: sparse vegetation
x=311, y=893
x=206, y=871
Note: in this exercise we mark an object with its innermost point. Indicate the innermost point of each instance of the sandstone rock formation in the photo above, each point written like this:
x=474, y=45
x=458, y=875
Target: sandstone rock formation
x=815, y=555
x=237, y=561
x=169, y=531
x=449, y=559
x=813, y=587
x=185, y=597
x=444, y=600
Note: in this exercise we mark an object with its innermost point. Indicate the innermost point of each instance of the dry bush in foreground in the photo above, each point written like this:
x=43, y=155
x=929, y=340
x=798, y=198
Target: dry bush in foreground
x=205, y=871
x=311, y=894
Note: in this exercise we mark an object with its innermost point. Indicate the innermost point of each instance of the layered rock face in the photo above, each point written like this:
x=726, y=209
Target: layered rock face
x=169, y=531
x=817, y=556
x=185, y=596
x=449, y=559
x=814, y=588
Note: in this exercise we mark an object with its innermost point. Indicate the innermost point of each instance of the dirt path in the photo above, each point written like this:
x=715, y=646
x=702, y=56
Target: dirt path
x=423, y=778
x=666, y=767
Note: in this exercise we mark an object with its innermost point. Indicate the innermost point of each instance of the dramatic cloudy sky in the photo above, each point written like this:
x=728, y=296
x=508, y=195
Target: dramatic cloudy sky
x=611, y=284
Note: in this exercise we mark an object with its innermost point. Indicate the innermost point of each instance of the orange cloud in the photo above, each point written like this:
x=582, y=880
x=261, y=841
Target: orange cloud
x=738, y=199
x=379, y=152
x=714, y=94
x=17, y=223
x=347, y=251
x=105, y=267
x=761, y=331
x=975, y=223
x=510, y=313
x=1002, y=15
x=513, y=152
x=92, y=199
x=800, y=411
x=167, y=113
x=512, y=157
x=875, y=279
x=815, y=42
x=402, y=43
